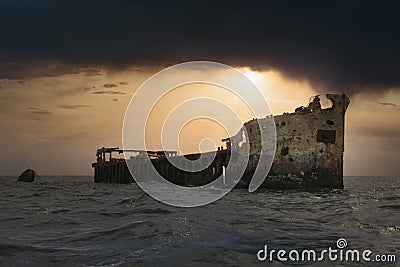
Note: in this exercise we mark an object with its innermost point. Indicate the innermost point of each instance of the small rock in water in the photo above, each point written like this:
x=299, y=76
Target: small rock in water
x=27, y=176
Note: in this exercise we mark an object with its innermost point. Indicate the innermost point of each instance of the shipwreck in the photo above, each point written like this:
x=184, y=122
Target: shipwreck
x=309, y=153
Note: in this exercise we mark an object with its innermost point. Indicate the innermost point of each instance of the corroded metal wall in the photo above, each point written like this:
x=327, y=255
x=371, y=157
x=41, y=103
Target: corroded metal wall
x=310, y=146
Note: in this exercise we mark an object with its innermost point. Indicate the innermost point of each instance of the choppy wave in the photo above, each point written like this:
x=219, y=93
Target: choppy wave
x=70, y=221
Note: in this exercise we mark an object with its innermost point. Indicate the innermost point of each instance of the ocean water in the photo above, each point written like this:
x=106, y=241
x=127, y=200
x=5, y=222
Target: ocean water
x=70, y=221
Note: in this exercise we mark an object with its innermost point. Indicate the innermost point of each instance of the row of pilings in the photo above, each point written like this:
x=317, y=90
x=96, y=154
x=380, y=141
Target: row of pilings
x=116, y=171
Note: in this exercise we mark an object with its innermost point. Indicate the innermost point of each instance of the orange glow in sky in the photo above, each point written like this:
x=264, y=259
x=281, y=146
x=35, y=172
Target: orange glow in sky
x=55, y=124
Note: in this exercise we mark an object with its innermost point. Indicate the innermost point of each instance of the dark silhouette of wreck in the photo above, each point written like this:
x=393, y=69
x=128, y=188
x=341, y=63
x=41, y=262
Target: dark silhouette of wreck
x=28, y=176
x=309, y=153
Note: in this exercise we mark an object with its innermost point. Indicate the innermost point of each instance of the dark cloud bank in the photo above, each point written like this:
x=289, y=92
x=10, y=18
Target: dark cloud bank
x=340, y=45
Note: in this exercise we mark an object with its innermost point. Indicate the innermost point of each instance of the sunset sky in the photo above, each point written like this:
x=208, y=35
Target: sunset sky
x=69, y=69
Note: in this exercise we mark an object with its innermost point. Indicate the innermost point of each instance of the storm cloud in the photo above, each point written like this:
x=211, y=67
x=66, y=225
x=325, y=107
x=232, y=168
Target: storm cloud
x=339, y=45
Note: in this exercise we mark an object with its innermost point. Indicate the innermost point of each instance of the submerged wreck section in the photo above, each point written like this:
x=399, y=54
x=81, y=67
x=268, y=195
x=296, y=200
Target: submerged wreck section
x=28, y=175
x=113, y=170
x=309, y=153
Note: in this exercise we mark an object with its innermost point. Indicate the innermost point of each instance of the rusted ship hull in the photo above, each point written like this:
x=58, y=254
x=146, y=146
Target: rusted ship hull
x=309, y=149
x=309, y=153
